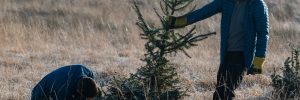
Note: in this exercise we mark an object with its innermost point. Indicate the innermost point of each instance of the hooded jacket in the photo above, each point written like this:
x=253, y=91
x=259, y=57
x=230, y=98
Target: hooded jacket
x=256, y=26
x=60, y=84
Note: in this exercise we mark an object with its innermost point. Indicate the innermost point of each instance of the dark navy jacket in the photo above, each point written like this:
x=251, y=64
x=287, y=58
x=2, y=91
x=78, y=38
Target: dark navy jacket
x=61, y=83
x=256, y=25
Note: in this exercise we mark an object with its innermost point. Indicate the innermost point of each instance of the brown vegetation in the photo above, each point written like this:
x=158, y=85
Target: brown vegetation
x=37, y=36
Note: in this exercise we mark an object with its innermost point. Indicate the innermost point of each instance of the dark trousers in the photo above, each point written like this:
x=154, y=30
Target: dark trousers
x=230, y=75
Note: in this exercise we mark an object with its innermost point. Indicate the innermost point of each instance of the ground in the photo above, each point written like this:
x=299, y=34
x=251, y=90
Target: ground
x=38, y=36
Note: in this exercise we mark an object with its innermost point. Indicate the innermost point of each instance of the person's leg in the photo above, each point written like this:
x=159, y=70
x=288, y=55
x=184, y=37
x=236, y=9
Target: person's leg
x=229, y=76
x=219, y=94
x=236, y=70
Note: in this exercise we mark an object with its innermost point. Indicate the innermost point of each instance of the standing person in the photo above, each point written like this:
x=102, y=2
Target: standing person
x=244, y=39
x=73, y=82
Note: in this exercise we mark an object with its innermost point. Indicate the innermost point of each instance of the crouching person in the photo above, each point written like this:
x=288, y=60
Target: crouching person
x=73, y=82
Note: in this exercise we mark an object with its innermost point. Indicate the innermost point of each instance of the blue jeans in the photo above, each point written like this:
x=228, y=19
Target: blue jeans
x=230, y=75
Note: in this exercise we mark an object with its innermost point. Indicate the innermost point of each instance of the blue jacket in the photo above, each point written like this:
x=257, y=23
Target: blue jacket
x=61, y=83
x=256, y=26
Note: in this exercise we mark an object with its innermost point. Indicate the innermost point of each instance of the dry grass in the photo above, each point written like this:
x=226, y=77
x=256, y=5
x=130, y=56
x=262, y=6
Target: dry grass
x=38, y=36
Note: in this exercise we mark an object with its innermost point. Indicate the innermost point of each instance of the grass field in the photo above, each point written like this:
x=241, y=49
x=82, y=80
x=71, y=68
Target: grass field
x=38, y=36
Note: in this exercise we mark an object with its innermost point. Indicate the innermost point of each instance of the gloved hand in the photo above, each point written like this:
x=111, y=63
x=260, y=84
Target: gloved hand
x=176, y=22
x=257, y=66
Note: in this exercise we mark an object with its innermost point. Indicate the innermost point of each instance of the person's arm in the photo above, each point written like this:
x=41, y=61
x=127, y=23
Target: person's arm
x=261, y=19
x=197, y=15
x=262, y=28
x=205, y=12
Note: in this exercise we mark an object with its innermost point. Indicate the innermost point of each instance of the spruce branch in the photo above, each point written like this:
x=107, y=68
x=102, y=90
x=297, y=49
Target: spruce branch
x=158, y=78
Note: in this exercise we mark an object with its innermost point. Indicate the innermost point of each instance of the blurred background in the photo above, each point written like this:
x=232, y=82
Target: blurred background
x=38, y=36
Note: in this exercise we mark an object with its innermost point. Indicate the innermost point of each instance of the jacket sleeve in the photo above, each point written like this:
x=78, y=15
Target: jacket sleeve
x=261, y=19
x=204, y=12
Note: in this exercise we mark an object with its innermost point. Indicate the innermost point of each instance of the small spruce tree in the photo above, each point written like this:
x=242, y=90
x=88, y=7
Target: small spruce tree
x=286, y=86
x=158, y=79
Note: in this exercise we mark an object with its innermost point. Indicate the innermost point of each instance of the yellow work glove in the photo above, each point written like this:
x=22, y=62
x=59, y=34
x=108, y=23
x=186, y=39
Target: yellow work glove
x=176, y=22
x=257, y=65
